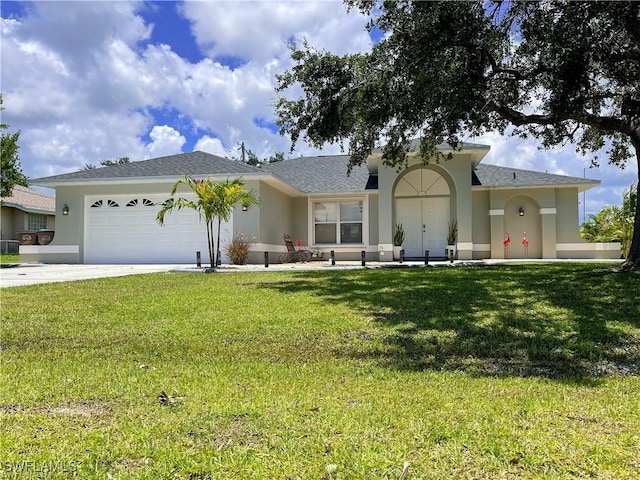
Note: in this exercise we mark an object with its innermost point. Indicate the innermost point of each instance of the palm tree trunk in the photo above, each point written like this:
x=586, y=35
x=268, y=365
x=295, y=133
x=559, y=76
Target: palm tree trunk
x=210, y=243
x=218, y=251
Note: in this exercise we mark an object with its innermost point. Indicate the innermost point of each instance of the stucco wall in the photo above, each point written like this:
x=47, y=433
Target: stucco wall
x=8, y=229
x=567, y=216
x=480, y=219
x=373, y=220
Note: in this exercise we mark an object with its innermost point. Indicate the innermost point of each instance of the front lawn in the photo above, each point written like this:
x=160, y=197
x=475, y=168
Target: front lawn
x=521, y=371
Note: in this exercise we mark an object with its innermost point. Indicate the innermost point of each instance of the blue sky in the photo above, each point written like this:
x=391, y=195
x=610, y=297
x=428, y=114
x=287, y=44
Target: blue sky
x=86, y=81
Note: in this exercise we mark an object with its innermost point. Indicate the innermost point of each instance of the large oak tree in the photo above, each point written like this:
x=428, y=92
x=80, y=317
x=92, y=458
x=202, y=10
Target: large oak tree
x=562, y=72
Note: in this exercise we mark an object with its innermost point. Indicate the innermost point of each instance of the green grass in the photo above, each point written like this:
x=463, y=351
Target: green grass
x=9, y=258
x=522, y=371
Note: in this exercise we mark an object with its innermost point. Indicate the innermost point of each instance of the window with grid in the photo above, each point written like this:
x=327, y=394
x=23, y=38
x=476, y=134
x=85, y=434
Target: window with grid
x=337, y=222
x=36, y=222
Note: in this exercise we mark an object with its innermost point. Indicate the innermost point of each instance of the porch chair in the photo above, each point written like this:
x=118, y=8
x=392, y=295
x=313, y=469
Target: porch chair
x=292, y=254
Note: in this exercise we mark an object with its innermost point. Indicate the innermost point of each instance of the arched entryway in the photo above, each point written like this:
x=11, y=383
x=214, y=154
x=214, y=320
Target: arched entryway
x=522, y=217
x=422, y=204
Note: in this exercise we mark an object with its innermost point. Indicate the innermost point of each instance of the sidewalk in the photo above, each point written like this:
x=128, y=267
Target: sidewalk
x=32, y=274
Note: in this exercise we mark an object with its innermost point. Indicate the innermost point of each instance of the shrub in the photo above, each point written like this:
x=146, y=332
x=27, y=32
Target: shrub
x=398, y=235
x=239, y=247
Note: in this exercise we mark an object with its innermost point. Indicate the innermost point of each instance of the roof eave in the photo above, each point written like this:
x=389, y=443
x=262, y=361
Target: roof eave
x=580, y=186
x=477, y=152
x=52, y=183
x=23, y=208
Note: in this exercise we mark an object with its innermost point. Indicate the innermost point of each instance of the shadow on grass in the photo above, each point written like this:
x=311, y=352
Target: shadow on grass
x=576, y=321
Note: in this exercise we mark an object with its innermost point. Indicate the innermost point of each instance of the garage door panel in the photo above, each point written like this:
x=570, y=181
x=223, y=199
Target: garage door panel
x=131, y=234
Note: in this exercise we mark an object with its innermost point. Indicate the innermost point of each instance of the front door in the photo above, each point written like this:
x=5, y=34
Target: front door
x=425, y=222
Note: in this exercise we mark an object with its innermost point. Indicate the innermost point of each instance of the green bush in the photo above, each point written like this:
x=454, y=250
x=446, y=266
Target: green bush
x=239, y=247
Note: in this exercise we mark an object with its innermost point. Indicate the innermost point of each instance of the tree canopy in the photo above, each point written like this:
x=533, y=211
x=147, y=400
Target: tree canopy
x=10, y=169
x=562, y=72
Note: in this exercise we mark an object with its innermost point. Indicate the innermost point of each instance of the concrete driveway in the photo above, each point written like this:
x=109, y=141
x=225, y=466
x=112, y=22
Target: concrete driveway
x=31, y=274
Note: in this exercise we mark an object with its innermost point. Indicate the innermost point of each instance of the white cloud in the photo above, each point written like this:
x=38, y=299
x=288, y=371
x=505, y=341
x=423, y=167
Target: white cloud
x=165, y=140
x=261, y=30
x=213, y=146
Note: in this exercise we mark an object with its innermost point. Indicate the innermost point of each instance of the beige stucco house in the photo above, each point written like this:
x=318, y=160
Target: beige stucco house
x=111, y=211
x=25, y=213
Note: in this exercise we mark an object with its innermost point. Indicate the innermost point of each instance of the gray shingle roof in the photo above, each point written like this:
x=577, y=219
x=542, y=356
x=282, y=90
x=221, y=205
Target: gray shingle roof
x=495, y=176
x=310, y=175
x=324, y=174
x=194, y=163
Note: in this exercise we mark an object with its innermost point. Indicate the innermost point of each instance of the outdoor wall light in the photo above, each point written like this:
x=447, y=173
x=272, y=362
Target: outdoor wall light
x=521, y=212
x=65, y=209
x=245, y=208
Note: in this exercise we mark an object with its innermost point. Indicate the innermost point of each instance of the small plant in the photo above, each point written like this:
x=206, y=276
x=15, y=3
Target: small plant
x=398, y=235
x=452, y=235
x=239, y=247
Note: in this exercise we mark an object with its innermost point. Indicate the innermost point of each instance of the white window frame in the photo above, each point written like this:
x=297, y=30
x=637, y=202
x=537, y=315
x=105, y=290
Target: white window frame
x=365, y=221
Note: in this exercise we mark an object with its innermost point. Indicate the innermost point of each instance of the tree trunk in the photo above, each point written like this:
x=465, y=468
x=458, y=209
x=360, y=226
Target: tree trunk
x=633, y=259
x=218, y=250
x=210, y=243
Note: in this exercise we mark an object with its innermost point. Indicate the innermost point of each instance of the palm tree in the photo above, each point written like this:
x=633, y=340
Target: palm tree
x=214, y=201
x=228, y=194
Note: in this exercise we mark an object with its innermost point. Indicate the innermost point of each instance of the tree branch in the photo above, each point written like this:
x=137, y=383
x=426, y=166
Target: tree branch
x=602, y=122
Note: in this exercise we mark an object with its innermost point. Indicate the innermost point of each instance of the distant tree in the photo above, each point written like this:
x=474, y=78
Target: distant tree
x=560, y=71
x=107, y=163
x=10, y=169
x=214, y=203
x=250, y=158
x=276, y=157
x=119, y=161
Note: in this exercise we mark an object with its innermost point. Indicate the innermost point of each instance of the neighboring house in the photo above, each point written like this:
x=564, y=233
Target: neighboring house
x=112, y=210
x=26, y=210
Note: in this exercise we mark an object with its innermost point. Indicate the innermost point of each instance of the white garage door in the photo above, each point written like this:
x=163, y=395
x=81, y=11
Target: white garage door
x=123, y=229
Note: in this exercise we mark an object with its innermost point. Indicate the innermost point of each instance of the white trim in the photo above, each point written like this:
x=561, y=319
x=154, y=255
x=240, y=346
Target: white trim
x=590, y=247
x=496, y=212
x=481, y=247
x=548, y=211
x=31, y=249
x=464, y=245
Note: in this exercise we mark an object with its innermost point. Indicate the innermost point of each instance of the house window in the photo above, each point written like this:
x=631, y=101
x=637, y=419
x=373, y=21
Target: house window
x=337, y=222
x=36, y=222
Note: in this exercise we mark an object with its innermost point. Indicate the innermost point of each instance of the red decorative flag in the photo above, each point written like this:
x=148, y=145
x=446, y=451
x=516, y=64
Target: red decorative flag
x=507, y=240
x=299, y=243
x=525, y=241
